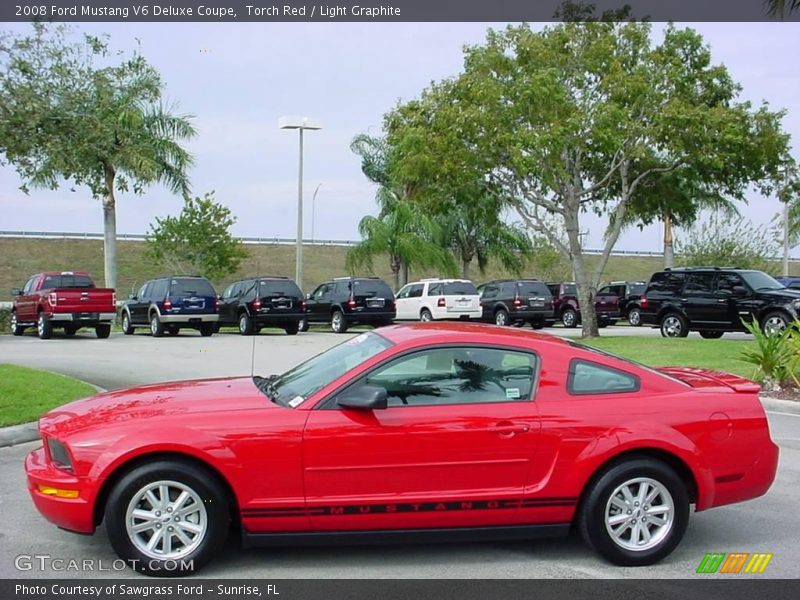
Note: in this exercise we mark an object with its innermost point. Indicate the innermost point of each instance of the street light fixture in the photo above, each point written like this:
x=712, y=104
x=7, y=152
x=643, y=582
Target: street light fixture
x=313, y=210
x=301, y=124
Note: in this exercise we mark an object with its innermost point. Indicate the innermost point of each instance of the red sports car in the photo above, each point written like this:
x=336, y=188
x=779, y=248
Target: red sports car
x=413, y=432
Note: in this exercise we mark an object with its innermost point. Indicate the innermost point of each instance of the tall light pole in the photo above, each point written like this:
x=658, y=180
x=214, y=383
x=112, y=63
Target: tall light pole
x=301, y=124
x=314, y=209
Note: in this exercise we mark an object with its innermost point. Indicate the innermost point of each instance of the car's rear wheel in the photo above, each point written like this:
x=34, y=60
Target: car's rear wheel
x=207, y=329
x=501, y=317
x=292, y=328
x=173, y=330
x=246, y=326
x=70, y=330
x=156, y=326
x=303, y=325
x=674, y=325
x=44, y=327
x=635, y=513
x=569, y=318
x=711, y=335
x=103, y=330
x=635, y=317
x=167, y=518
x=127, y=328
x=338, y=322
x=425, y=316
x=774, y=323
x=16, y=328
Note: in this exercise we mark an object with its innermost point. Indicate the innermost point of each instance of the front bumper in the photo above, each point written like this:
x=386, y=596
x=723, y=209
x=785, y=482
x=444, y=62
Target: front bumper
x=73, y=514
x=87, y=317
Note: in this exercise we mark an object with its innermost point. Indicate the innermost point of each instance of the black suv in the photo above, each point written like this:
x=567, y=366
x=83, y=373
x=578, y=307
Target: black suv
x=517, y=301
x=169, y=304
x=257, y=302
x=345, y=301
x=714, y=300
x=628, y=293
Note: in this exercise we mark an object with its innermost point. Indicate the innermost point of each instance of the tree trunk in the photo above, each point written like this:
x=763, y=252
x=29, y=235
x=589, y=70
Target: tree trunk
x=395, y=263
x=465, y=269
x=669, y=251
x=403, y=273
x=110, y=230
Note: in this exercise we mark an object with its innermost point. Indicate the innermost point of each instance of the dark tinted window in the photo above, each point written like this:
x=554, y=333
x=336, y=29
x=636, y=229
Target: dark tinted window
x=280, y=287
x=489, y=290
x=698, y=283
x=637, y=289
x=415, y=291
x=569, y=288
x=460, y=288
x=591, y=378
x=435, y=289
x=191, y=286
x=727, y=281
x=667, y=282
x=67, y=281
x=532, y=288
x=29, y=285
x=553, y=287
x=758, y=280
x=457, y=376
x=372, y=287
x=158, y=289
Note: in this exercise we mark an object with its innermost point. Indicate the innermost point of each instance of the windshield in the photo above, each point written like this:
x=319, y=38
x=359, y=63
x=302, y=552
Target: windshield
x=758, y=280
x=294, y=386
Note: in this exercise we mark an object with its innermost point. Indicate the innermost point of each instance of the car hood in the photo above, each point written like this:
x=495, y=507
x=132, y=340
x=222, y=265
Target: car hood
x=785, y=294
x=153, y=401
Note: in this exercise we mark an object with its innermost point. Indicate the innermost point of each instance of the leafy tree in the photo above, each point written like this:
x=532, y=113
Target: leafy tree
x=198, y=241
x=67, y=113
x=579, y=117
x=729, y=240
x=407, y=236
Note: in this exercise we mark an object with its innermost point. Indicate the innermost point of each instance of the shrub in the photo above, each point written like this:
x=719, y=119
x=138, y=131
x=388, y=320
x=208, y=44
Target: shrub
x=776, y=356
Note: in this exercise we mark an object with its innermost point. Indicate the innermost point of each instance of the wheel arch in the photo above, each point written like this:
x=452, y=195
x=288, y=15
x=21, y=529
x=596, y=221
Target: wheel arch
x=121, y=469
x=672, y=308
x=500, y=306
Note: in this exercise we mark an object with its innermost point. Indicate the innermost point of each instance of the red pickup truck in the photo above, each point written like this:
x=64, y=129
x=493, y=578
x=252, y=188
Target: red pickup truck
x=63, y=299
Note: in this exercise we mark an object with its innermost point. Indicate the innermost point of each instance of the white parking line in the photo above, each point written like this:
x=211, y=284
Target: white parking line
x=775, y=412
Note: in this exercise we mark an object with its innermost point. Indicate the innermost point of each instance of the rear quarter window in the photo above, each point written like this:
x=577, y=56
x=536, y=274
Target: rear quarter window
x=586, y=377
x=666, y=283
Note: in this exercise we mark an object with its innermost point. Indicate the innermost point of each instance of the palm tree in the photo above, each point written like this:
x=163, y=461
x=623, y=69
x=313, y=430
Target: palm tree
x=408, y=237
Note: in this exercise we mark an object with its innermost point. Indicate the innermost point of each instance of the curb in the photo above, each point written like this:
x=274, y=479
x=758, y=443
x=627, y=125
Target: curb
x=27, y=432
x=778, y=405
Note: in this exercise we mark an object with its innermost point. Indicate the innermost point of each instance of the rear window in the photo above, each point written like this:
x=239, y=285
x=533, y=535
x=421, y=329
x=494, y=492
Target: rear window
x=197, y=287
x=637, y=289
x=372, y=287
x=280, y=287
x=532, y=288
x=569, y=288
x=67, y=281
x=460, y=288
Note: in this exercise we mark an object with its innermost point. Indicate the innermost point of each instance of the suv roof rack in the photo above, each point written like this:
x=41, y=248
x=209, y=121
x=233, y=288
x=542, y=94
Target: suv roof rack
x=704, y=269
x=346, y=277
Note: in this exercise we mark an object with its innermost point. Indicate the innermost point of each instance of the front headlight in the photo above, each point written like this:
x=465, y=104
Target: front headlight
x=59, y=455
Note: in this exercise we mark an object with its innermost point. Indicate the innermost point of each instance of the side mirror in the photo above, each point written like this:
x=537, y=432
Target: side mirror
x=364, y=397
x=16, y=292
x=308, y=296
x=132, y=297
x=739, y=291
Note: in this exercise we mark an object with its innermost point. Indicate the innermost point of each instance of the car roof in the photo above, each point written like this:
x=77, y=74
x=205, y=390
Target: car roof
x=52, y=273
x=531, y=279
x=440, y=280
x=458, y=332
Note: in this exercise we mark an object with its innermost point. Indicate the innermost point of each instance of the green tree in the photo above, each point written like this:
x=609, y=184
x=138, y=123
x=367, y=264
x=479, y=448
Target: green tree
x=67, y=113
x=578, y=117
x=729, y=240
x=406, y=236
x=198, y=241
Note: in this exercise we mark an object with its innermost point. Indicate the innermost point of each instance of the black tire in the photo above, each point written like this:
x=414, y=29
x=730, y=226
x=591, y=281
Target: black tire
x=775, y=323
x=537, y=324
x=246, y=325
x=44, y=327
x=635, y=317
x=207, y=329
x=156, y=326
x=425, y=315
x=292, y=328
x=103, y=330
x=16, y=329
x=501, y=318
x=70, y=330
x=338, y=322
x=569, y=318
x=596, y=509
x=127, y=328
x=303, y=325
x=212, y=501
x=173, y=330
x=674, y=325
x=711, y=335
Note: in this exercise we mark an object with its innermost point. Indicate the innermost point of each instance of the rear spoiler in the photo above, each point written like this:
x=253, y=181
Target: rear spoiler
x=706, y=378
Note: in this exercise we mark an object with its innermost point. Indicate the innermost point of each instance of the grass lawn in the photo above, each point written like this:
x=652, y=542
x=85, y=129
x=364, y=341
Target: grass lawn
x=720, y=355
x=26, y=394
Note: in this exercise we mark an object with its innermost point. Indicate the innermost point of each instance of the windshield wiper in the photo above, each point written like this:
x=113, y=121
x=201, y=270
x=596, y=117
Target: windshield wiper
x=267, y=386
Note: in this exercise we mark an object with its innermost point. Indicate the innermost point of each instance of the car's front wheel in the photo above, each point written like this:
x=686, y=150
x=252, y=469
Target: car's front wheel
x=167, y=518
x=292, y=328
x=207, y=329
x=303, y=325
x=156, y=326
x=674, y=325
x=711, y=335
x=775, y=323
x=16, y=328
x=635, y=513
x=127, y=328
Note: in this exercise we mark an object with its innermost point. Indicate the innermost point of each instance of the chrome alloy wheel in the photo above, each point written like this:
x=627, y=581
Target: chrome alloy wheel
x=774, y=325
x=166, y=520
x=639, y=514
x=672, y=326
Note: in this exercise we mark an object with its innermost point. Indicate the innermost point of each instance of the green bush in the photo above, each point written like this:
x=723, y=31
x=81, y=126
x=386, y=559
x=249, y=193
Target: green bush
x=776, y=356
x=5, y=320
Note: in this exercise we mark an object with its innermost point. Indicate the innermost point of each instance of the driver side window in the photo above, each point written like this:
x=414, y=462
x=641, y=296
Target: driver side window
x=457, y=376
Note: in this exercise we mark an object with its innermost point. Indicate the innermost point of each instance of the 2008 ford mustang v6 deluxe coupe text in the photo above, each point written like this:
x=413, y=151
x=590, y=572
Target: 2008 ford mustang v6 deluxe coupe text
x=426, y=431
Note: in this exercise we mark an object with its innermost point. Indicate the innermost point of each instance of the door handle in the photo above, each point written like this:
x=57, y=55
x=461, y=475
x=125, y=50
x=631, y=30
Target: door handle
x=722, y=301
x=508, y=429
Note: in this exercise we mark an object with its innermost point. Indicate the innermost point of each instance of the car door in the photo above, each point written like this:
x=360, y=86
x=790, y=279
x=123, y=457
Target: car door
x=402, y=302
x=700, y=303
x=26, y=303
x=488, y=294
x=734, y=301
x=138, y=305
x=453, y=447
x=318, y=305
x=228, y=304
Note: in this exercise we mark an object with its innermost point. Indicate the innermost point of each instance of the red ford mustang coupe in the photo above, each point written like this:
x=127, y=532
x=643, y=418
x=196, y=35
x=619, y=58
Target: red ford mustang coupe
x=414, y=432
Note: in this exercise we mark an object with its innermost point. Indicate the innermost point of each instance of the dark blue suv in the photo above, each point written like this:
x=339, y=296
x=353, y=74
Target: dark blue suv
x=169, y=304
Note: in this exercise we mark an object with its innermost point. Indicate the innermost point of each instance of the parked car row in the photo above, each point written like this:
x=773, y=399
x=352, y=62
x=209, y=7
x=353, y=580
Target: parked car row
x=710, y=300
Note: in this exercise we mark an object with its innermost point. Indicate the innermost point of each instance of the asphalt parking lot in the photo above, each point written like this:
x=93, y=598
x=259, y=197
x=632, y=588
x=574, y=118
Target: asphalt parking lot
x=768, y=524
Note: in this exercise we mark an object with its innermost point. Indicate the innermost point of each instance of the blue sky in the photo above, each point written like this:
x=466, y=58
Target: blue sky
x=238, y=78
